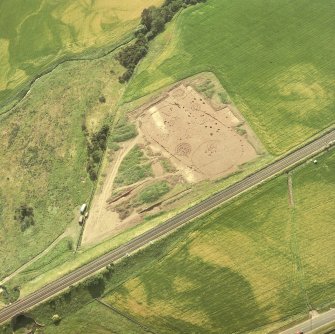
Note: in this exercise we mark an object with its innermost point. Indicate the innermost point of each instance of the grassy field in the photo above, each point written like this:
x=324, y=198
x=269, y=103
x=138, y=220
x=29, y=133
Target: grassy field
x=95, y=318
x=134, y=167
x=35, y=34
x=258, y=50
x=153, y=192
x=43, y=153
x=249, y=265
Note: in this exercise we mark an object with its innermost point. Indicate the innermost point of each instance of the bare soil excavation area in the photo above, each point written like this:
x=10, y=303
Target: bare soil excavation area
x=200, y=138
x=200, y=141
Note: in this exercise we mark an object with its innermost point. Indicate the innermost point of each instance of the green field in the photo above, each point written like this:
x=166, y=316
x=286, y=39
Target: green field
x=252, y=265
x=95, y=318
x=274, y=58
x=43, y=154
x=37, y=33
x=249, y=264
x=134, y=167
x=43, y=139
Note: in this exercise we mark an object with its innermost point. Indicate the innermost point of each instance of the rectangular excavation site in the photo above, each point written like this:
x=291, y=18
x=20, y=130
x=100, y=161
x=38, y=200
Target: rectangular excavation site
x=202, y=142
x=183, y=138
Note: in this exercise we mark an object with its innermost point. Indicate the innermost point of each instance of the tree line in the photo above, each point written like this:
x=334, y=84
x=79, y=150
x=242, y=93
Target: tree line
x=153, y=22
x=96, y=146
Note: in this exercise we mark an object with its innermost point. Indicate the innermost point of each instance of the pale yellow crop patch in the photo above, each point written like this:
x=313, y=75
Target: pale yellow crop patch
x=7, y=79
x=136, y=303
x=306, y=88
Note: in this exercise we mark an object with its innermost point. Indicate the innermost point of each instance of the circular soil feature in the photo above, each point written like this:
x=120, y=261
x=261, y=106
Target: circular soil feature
x=183, y=149
x=178, y=93
x=195, y=106
x=211, y=148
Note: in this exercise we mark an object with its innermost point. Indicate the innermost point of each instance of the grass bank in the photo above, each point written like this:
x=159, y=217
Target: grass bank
x=36, y=35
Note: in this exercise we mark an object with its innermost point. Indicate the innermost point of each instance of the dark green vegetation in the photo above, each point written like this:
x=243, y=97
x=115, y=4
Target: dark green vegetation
x=249, y=265
x=258, y=50
x=153, y=192
x=25, y=216
x=96, y=147
x=153, y=22
x=134, y=167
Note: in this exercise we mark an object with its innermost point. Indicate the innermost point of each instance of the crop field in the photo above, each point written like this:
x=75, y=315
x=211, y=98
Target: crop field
x=43, y=154
x=35, y=34
x=249, y=266
x=258, y=50
x=95, y=318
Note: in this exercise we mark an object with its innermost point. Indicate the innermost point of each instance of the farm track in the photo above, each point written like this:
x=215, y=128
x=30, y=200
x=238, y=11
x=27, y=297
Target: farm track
x=170, y=225
x=33, y=260
x=99, y=202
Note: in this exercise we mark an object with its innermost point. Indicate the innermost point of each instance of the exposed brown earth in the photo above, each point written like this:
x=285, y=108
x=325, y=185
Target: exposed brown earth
x=203, y=143
x=200, y=138
x=102, y=222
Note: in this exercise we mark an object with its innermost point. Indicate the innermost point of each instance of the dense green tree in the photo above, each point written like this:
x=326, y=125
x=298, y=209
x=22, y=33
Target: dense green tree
x=25, y=215
x=153, y=22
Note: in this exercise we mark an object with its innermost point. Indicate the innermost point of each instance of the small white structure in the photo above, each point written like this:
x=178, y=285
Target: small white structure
x=83, y=208
x=315, y=161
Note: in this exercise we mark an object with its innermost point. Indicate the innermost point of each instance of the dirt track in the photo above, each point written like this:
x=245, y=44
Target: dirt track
x=102, y=222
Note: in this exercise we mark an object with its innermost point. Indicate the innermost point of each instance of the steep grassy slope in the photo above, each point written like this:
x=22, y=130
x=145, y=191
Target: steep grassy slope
x=275, y=59
x=36, y=33
x=43, y=153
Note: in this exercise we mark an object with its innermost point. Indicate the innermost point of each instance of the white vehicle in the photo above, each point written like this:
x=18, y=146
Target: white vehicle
x=83, y=208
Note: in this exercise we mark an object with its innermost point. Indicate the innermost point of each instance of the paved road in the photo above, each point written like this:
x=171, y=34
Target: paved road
x=170, y=225
x=312, y=324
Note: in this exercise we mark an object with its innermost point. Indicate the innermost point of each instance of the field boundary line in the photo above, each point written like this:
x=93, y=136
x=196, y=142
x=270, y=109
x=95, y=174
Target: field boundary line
x=35, y=258
x=131, y=319
x=23, y=92
x=290, y=190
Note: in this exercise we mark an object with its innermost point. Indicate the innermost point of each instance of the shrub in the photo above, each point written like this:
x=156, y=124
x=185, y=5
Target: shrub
x=123, y=131
x=96, y=145
x=25, y=215
x=134, y=167
x=10, y=295
x=56, y=319
x=153, y=192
